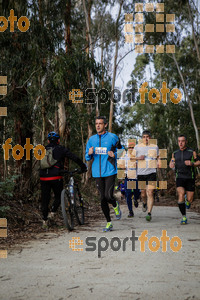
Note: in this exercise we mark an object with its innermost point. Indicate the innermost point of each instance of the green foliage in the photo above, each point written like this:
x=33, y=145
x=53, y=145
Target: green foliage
x=7, y=187
x=166, y=122
x=3, y=211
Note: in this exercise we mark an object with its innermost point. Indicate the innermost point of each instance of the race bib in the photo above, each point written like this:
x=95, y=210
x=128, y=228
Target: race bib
x=101, y=150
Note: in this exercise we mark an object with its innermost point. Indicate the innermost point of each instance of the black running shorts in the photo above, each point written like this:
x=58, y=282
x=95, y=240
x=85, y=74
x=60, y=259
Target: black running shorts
x=187, y=184
x=149, y=177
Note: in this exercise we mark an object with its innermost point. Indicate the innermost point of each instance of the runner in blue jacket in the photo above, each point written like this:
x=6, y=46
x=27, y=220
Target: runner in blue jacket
x=102, y=148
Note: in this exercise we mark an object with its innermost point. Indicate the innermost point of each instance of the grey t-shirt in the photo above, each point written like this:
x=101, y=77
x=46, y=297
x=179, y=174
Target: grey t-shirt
x=149, y=164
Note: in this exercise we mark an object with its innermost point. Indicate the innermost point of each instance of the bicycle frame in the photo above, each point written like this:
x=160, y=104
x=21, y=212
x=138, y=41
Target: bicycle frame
x=71, y=189
x=73, y=207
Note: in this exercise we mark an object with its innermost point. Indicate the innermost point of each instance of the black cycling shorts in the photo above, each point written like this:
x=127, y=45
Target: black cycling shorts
x=187, y=184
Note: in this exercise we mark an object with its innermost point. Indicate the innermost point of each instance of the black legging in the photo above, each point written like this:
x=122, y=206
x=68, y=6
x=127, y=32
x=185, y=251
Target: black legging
x=106, y=186
x=46, y=186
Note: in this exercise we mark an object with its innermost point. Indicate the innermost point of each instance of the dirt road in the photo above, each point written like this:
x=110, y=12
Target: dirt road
x=49, y=269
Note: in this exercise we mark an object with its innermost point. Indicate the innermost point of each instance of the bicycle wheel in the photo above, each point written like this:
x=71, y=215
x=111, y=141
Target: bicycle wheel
x=67, y=210
x=78, y=207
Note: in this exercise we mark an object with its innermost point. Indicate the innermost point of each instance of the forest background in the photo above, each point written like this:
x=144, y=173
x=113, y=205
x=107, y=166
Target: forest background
x=58, y=53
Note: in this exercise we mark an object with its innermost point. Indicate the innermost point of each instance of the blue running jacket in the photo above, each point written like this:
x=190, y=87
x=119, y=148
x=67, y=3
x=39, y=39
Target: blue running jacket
x=103, y=165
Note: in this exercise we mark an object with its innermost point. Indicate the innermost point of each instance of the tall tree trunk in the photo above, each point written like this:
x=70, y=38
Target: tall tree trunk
x=41, y=81
x=102, y=66
x=23, y=130
x=90, y=44
x=68, y=42
x=61, y=118
x=40, y=12
x=189, y=101
x=43, y=121
x=62, y=114
x=114, y=67
x=22, y=111
x=83, y=150
x=56, y=122
x=4, y=161
x=193, y=31
x=88, y=175
x=89, y=106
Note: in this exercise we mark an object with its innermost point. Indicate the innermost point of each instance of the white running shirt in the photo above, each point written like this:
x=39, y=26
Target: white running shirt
x=149, y=164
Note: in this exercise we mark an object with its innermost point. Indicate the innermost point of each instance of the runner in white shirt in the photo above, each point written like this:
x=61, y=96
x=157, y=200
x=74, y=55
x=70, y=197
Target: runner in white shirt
x=146, y=170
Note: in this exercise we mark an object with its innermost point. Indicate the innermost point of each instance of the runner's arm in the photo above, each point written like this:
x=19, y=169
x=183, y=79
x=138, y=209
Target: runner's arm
x=87, y=155
x=196, y=162
x=172, y=162
x=113, y=150
x=159, y=162
x=76, y=159
x=141, y=157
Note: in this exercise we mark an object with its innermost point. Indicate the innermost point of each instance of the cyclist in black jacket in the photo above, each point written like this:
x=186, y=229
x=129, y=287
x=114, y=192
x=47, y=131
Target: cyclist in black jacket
x=50, y=178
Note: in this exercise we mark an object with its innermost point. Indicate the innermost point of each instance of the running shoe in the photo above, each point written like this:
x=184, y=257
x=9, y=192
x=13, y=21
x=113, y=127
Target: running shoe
x=131, y=214
x=144, y=207
x=136, y=203
x=118, y=212
x=187, y=204
x=184, y=221
x=148, y=217
x=108, y=227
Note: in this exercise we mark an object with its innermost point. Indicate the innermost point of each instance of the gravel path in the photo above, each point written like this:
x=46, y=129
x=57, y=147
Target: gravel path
x=49, y=269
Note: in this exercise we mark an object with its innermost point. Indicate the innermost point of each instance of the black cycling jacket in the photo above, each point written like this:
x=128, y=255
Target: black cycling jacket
x=59, y=153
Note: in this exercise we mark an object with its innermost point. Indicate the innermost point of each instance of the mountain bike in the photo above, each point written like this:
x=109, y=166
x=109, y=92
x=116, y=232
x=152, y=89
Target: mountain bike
x=71, y=200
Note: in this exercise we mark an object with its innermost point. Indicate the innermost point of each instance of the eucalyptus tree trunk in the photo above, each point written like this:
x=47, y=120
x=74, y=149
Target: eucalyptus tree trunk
x=87, y=20
x=193, y=31
x=114, y=68
x=89, y=48
x=189, y=101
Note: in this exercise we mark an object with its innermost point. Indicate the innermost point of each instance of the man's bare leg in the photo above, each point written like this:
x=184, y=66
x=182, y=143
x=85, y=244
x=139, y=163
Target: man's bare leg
x=150, y=200
x=144, y=200
x=190, y=196
x=181, y=203
x=181, y=194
